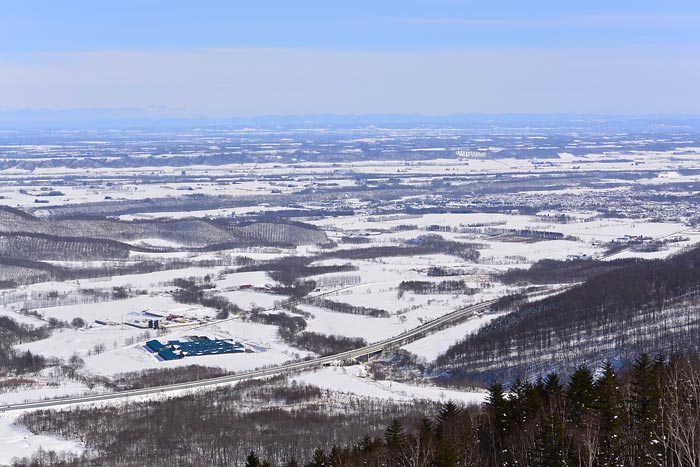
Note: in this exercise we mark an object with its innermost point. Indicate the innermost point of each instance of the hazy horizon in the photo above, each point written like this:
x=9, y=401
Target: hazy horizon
x=174, y=59
x=89, y=119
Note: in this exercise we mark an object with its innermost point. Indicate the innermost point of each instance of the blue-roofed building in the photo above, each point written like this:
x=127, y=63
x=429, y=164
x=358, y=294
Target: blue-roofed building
x=194, y=346
x=167, y=354
x=155, y=345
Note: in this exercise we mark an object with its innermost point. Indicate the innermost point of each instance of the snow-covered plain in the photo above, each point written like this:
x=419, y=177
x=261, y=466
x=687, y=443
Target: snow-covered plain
x=374, y=284
x=378, y=288
x=665, y=163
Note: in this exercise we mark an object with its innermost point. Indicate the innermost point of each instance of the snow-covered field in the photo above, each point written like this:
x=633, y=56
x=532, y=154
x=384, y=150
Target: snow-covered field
x=113, y=348
x=430, y=347
x=18, y=442
x=354, y=380
x=117, y=348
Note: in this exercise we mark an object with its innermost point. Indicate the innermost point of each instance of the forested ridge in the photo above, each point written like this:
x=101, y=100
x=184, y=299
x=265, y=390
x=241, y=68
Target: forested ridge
x=195, y=233
x=28, y=243
x=645, y=306
x=36, y=246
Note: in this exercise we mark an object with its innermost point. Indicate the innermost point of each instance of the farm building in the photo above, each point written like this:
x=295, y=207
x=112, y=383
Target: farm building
x=194, y=346
x=154, y=320
x=154, y=345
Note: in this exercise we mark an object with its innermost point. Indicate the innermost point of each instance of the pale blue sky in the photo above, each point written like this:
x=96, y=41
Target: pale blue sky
x=226, y=58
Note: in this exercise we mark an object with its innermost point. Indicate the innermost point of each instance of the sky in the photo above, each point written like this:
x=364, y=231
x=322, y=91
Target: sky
x=222, y=58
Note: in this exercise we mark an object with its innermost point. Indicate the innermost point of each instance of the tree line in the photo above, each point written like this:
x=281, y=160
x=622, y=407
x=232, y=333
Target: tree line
x=23, y=271
x=277, y=418
x=442, y=287
x=647, y=414
x=522, y=233
x=551, y=271
x=15, y=362
x=342, y=307
x=291, y=269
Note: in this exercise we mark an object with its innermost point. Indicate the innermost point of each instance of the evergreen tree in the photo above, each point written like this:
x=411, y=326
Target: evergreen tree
x=646, y=411
x=445, y=455
x=543, y=403
x=395, y=439
x=496, y=401
x=447, y=415
x=553, y=386
x=581, y=417
x=517, y=405
x=494, y=429
x=319, y=459
x=252, y=460
x=580, y=395
x=337, y=457
x=609, y=408
x=366, y=444
x=536, y=396
x=395, y=436
x=366, y=450
x=554, y=391
x=550, y=443
x=425, y=428
x=292, y=463
x=445, y=452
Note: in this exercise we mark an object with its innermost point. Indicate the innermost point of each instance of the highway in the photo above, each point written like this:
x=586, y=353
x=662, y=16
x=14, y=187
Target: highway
x=396, y=341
